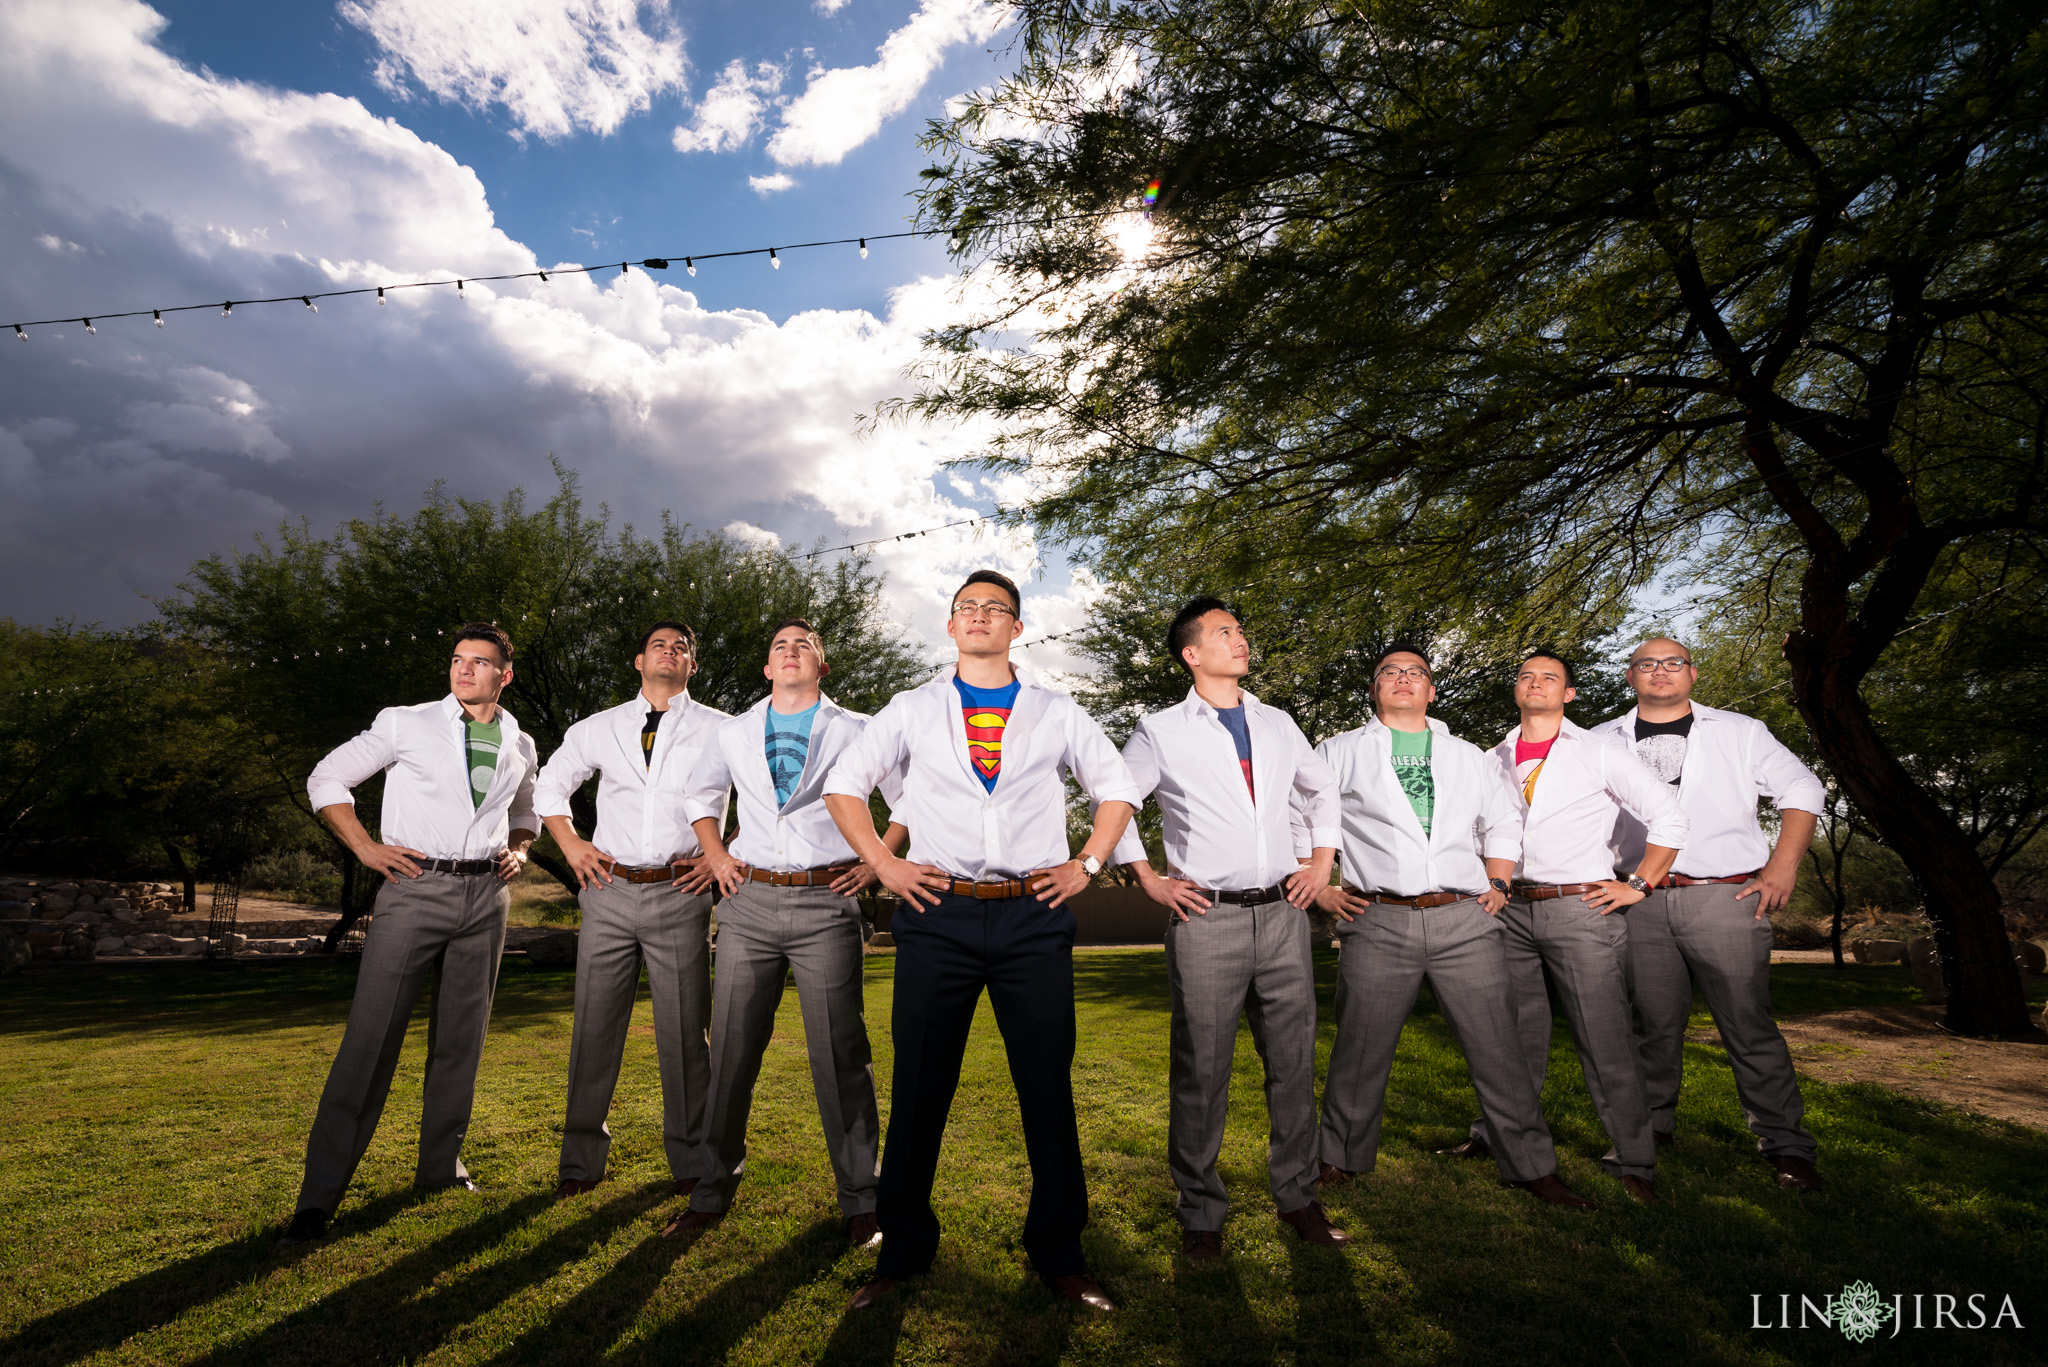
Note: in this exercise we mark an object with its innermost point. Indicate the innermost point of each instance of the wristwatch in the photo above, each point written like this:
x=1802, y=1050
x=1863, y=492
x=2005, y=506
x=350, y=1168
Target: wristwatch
x=1090, y=865
x=1635, y=880
x=1498, y=884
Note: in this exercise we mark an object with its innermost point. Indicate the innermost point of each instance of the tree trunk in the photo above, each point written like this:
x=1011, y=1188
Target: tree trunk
x=1835, y=935
x=1985, y=994
x=358, y=895
x=188, y=874
x=563, y=874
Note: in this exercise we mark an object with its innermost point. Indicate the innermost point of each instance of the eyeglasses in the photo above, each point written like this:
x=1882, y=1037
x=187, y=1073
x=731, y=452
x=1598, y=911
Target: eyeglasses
x=1670, y=665
x=1393, y=672
x=993, y=611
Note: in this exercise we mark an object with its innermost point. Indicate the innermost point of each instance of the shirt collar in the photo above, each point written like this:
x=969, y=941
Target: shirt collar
x=1373, y=724
x=1200, y=705
x=452, y=710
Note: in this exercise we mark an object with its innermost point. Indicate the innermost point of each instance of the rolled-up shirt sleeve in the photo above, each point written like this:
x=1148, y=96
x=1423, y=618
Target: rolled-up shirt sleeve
x=704, y=799
x=1646, y=797
x=566, y=771
x=1141, y=757
x=876, y=756
x=1783, y=779
x=354, y=761
x=521, y=816
x=1315, y=790
x=1091, y=758
x=1500, y=816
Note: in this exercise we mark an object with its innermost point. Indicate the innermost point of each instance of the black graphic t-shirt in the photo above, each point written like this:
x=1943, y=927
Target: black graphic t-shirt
x=1660, y=745
x=647, y=731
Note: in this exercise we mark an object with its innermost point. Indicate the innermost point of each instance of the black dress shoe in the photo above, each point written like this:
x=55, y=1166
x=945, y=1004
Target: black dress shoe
x=690, y=1221
x=864, y=1231
x=1640, y=1189
x=1080, y=1289
x=1551, y=1191
x=574, y=1186
x=1794, y=1172
x=1471, y=1148
x=1314, y=1227
x=1330, y=1175
x=1201, y=1245
x=868, y=1296
x=307, y=1226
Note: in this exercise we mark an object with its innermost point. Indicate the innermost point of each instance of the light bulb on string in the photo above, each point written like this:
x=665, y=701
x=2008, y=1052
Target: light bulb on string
x=690, y=266
x=544, y=277
x=90, y=330
x=19, y=334
x=381, y=300
x=458, y=291
x=227, y=310
x=158, y=316
x=773, y=259
x=863, y=249
x=307, y=300
x=625, y=269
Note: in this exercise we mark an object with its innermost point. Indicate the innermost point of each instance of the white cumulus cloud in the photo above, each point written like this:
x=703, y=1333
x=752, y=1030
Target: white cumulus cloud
x=732, y=109
x=768, y=185
x=842, y=108
x=555, y=66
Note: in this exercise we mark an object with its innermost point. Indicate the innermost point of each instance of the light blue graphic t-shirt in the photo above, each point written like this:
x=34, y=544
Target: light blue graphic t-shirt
x=789, y=744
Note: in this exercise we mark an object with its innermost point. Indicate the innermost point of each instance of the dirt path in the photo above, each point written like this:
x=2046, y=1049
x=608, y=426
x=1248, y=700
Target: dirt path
x=1905, y=1049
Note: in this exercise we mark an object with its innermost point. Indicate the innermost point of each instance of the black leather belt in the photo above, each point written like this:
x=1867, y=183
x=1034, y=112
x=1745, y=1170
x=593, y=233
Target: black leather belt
x=467, y=868
x=1247, y=897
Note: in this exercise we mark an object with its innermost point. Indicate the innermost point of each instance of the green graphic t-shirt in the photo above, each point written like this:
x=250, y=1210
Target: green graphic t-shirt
x=481, y=743
x=1412, y=771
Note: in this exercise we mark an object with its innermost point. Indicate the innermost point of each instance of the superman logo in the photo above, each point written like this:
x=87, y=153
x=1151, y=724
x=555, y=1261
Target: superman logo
x=985, y=738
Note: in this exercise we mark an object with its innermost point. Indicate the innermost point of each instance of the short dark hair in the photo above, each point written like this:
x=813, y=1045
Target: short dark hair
x=1187, y=624
x=810, y=630
x=1001, y=581
x=669, y=624
x=1571, y=676
x=1404, y=648
x=486, y=631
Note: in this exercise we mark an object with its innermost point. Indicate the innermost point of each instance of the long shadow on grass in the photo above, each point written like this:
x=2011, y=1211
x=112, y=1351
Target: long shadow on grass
x=1133, y=980
x=156, y=1298
x=1330, y=1324
x=1214, y=1318
x=602, y=1314
x=406, y=1310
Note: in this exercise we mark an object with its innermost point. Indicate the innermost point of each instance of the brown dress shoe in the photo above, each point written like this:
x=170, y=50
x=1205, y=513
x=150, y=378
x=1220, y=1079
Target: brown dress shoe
x=1081, y=1290
x=1330, y=1175
x=1314, y=1227
x=690, y=1221
x=1201, y=1245
x=1471, y=1148
x=1795, y=1172
x=574, y=1186
x=1665, y=1138
x=868, y=1295
x=686, y=1186
x=1551, y=1191
x=1642, y=1191
x=864, y=1231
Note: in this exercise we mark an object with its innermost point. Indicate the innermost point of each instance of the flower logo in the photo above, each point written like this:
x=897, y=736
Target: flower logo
x=1860, y=1312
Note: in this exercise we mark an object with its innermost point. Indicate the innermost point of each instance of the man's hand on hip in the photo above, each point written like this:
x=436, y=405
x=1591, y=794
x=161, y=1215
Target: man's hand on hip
x=1177, y=895
x=1342, y=901
x=1056, y=884
x=393, y=861
x=1772, y=889
x=918, y=885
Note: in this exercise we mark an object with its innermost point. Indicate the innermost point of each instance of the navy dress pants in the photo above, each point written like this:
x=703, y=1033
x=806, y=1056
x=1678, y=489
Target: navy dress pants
x=1022, y=952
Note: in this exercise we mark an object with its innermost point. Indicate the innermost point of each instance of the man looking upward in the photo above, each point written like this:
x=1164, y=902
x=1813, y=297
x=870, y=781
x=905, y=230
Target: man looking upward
x=789, y=881
x=457, y=818
x=1225, y=768
x=636, y=906
x=1563, y=914
x=1694, y=929
x=982, y=750
x=1431, y=833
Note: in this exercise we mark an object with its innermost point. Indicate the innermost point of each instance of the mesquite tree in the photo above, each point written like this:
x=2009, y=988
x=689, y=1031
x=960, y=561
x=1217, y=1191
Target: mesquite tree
x=1531, y=304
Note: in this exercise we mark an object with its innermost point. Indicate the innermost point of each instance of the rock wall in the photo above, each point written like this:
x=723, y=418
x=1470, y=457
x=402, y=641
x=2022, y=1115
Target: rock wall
x=78, y=919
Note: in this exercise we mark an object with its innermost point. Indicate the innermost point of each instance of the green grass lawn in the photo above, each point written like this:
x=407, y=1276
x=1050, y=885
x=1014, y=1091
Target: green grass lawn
x=151, y=1122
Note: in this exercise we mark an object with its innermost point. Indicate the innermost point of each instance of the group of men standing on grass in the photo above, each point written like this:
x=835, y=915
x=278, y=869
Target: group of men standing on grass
x=1491, y=873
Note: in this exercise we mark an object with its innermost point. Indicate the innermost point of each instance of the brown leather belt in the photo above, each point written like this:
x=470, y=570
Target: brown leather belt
x=1423, y=902
x=994, y=891
x=1544, y=892
x=818, y=877
x=1679, y=880
x=666, y=873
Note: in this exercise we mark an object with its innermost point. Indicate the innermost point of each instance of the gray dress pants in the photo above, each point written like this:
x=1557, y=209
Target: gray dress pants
x=1388, y=951
x=624, y=923
x=1679, y=938
x=764, y=935
x=1586, y=955
x=1250, y=961
x=447, y=927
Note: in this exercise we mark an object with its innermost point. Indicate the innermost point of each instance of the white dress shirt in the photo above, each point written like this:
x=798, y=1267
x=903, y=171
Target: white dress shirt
x=1567, y=831
x=955, y=823
x=1476, y=815
x=427, y=798
x=772, y=836
x=1730, y=761
x=1217, y=834
x=640, y=820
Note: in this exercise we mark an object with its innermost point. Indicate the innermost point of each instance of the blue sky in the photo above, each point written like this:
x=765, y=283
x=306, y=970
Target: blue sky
x=190, y=151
